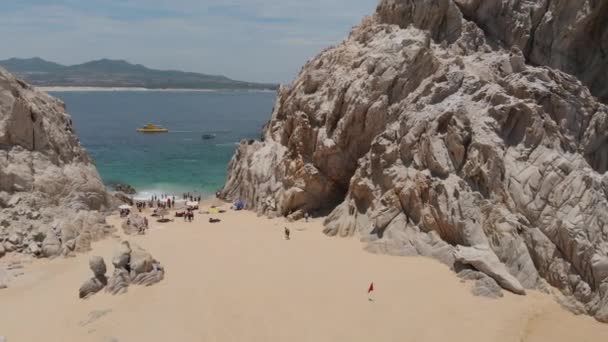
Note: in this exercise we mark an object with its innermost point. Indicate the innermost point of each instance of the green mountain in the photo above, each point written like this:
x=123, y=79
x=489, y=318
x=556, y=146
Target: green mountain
x=118, y=73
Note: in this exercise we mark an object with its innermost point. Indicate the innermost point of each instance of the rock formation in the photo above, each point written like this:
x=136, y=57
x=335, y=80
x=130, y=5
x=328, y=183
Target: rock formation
x=132, y=265
x=99, y=280
x=484, y=285
x=124, y=188
x=135, y=224
x=452, y=129
x=568, y=35
x=50, y=192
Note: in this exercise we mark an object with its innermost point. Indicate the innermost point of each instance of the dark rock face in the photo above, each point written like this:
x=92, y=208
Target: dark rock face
x=427, y=133
x=569, y=35
x=124, y=188
x=132, y=265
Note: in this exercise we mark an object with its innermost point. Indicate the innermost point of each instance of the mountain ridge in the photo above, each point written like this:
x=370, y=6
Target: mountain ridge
x=118, y=73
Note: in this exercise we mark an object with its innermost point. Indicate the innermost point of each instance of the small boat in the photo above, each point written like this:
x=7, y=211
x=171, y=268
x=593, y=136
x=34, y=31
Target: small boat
x=208, y=136
x=152, y=128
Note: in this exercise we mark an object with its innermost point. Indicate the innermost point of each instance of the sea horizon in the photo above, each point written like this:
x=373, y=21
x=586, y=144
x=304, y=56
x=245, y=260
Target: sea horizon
x=172, y=163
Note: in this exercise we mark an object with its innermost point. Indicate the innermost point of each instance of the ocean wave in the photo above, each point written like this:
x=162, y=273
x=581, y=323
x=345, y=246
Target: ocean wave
x=227, y=144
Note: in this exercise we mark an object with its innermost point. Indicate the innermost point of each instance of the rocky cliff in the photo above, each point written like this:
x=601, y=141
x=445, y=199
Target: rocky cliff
x=459, y=129
x=51, y=196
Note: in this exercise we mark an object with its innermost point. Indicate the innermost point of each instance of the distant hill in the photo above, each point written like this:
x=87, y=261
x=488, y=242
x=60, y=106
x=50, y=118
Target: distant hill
x=117, y=73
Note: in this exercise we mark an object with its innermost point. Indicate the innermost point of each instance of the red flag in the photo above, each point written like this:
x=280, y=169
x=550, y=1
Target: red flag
x=371, y=287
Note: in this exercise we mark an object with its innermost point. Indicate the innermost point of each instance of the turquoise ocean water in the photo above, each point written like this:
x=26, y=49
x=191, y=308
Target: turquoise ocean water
x=175, y=162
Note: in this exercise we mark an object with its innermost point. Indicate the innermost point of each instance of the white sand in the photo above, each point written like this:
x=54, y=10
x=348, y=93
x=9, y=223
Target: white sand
x=241, y=281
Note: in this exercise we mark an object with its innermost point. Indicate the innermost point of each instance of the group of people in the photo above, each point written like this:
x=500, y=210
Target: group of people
x=165, y=201
x=189, y=197
x=189, y=216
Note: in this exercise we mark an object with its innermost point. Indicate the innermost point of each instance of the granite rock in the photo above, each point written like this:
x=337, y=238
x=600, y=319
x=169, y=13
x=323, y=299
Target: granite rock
x=47, y=179
x=447, y=127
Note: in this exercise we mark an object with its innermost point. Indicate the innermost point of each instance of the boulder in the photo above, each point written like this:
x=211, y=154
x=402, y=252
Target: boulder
x=14, y=201
x=98, y=281
x=133, y=265
x=150, y=278
x=123, y=198
x=70, y=244
x=91, y=287
x=98, y=266
x=141, y=261
x=134, y=224
x=124, y=188
x=8, y=246
x=119, y=282
x=484, y=286
x=34, y=249
x=51, y=246
x=484, y=260
x=487, y=287
x=15, y=239
x=122, y=256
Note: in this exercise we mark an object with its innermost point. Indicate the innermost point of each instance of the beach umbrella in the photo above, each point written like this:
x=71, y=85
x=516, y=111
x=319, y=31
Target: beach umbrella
x=124, y=207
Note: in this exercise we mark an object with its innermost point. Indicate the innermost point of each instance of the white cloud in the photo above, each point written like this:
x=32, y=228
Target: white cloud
x=256, y=40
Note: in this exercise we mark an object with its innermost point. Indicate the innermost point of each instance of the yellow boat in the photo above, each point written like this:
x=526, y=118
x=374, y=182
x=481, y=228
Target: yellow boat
x=152, y=128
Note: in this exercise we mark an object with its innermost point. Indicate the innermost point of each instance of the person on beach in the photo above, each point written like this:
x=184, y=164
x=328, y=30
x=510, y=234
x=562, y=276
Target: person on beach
x=287, y=233
x=306, y=217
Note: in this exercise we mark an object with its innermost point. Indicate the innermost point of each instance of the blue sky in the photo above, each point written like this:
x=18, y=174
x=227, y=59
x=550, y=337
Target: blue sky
x=256, y=40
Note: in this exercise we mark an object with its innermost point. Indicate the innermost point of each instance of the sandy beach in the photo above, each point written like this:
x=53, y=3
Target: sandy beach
x=240, y=280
